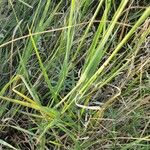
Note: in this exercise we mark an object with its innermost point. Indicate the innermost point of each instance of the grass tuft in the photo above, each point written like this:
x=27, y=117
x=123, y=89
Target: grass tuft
x=74, y=75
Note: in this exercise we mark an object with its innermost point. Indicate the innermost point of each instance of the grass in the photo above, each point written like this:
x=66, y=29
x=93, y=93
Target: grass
x=74, y=74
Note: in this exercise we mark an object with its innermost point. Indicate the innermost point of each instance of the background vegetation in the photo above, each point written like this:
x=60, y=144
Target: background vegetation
x=75, y=74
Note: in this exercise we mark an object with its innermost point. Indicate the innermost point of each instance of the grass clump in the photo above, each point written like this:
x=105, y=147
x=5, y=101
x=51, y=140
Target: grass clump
x=74, y=74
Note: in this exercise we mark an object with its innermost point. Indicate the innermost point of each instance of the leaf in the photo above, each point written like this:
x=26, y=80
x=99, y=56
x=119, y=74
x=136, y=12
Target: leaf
x=7, y=144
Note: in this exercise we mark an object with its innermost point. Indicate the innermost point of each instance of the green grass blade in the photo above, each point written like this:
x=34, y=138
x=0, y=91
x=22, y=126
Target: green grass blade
x=7, y=144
